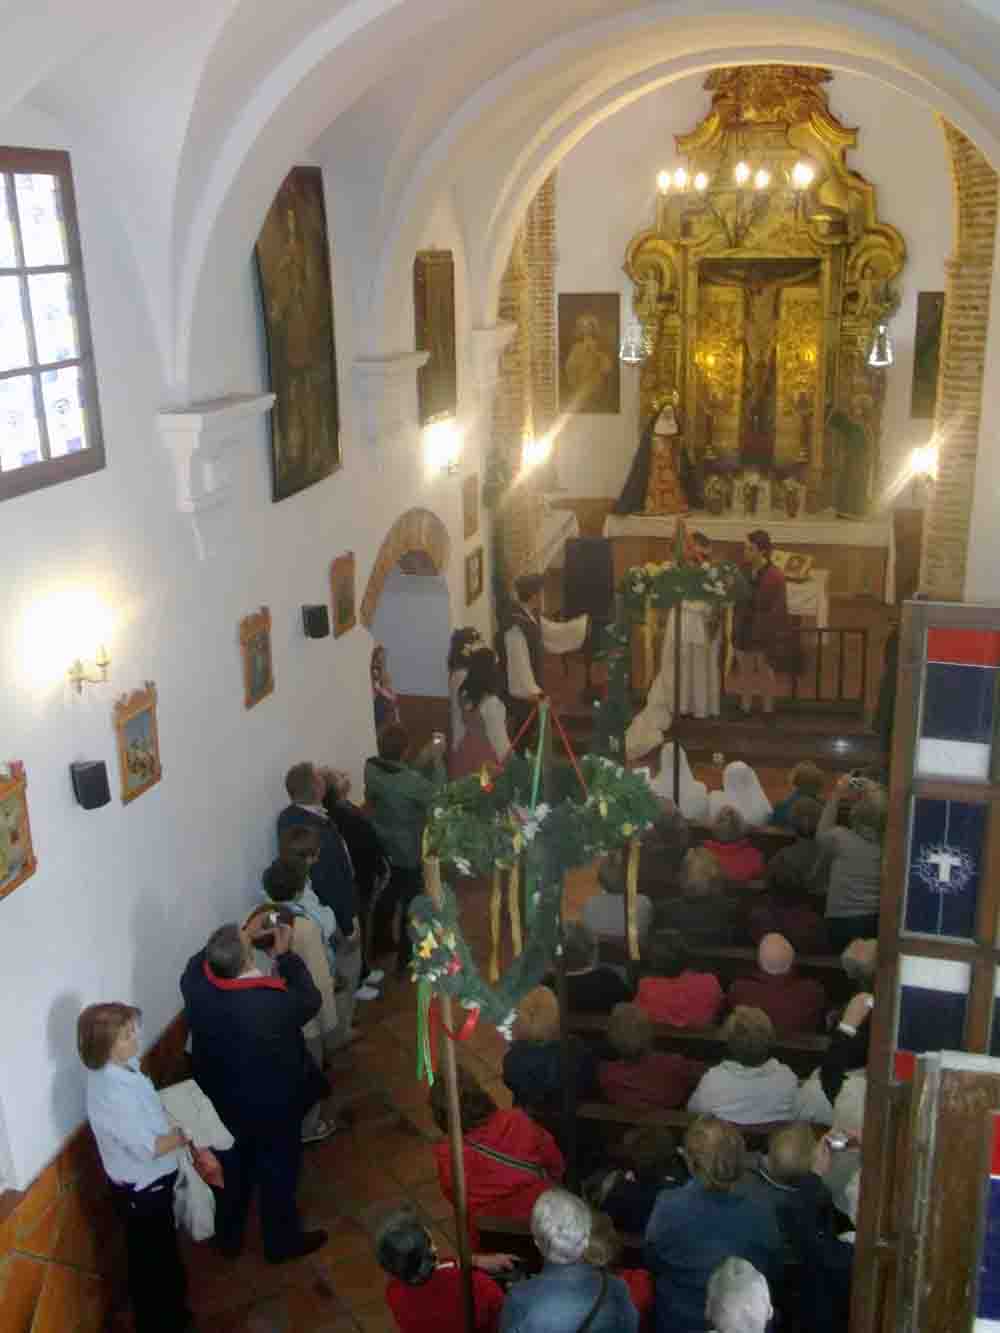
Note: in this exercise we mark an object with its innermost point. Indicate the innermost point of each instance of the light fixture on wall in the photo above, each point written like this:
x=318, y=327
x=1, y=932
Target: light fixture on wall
x=881, y=354
x=443, y=443
x=535, y=452
x=634, y=345
x=79, y=673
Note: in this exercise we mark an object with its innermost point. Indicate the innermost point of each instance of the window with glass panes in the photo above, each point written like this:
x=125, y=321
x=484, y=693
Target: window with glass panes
x=50, y=427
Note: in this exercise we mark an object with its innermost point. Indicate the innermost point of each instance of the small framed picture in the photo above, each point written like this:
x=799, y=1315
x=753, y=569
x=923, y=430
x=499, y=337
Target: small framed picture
x=470, y=506
x=473, y=575
x=345, y=614
x=255, y=649
x=138, y=742
x=17, y=855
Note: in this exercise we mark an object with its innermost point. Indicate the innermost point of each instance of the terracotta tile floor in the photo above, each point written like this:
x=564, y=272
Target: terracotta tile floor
x=349, y=1181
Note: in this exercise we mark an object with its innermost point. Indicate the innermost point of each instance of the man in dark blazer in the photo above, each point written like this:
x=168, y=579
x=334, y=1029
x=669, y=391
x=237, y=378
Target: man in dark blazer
x=249, y=1057
x=333, y=881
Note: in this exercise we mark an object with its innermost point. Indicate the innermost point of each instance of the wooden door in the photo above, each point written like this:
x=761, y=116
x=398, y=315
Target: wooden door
x=937, y=968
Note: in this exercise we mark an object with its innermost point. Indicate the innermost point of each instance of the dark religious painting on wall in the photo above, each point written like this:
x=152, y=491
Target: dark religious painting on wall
x=473, y=576
x=434, y=332
x=589, y=334
x=293, y=262
x=470, y=506
x=342, y=594
x=255, y=650
x=926, y=354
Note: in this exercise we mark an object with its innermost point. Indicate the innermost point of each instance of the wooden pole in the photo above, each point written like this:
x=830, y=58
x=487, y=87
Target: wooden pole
x=432, y=880
x=566, y=1064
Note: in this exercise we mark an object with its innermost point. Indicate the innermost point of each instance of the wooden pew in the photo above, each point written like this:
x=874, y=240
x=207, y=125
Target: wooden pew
x=504, y=1235
x=802, y=1053
x=729, y=961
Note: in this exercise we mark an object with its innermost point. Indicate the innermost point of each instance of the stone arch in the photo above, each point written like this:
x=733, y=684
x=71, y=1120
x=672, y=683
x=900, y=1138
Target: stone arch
x=417, y=531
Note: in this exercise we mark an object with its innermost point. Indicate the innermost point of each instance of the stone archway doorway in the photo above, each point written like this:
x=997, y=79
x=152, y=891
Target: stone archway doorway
x=407, y=609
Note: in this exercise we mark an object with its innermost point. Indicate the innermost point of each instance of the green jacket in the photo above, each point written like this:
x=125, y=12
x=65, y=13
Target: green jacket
x=400, y=798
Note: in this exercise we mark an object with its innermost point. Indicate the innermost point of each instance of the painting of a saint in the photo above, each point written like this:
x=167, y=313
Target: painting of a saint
x=589, y=333
x=293, y=263
x=926, y=354
x=255, y=650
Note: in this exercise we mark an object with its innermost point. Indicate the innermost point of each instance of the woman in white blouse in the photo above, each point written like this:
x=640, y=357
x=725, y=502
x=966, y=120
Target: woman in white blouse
x=481, y=736
x=139, y=1151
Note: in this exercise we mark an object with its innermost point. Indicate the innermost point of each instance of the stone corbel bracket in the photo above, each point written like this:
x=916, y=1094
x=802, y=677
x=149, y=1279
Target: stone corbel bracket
x=198, y=438
x=488, y=345
x=387, y=394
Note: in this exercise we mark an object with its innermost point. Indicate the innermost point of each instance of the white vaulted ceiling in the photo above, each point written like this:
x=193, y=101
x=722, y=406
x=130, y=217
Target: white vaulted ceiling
x=196, y=110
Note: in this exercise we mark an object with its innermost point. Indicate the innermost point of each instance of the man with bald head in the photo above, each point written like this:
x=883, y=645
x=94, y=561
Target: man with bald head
x=792, y=1002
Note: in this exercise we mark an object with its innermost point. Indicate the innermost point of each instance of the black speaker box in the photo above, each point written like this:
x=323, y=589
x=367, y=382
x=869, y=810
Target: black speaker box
x=316, y=621
x=90, y=784
x=589, y=579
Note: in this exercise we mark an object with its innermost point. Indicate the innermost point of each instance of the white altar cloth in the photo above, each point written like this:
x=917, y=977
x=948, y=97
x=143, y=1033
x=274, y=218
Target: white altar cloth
x=809, y=530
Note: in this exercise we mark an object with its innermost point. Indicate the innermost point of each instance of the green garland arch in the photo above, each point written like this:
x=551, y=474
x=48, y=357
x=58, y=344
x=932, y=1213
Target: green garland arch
x=479, y=824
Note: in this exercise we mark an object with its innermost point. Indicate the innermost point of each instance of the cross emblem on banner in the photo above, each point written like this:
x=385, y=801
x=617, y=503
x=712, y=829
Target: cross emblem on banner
x=944, y=862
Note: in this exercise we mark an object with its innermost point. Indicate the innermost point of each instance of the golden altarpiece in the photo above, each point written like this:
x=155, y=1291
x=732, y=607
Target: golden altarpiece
x=760, y=290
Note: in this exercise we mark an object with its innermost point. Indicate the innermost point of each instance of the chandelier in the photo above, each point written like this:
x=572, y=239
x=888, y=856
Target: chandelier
x=735, y=197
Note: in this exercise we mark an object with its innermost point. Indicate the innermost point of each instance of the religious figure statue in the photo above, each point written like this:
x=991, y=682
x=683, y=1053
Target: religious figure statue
x=760, y=332
x=853, y=460
x=664, y=492
x=661, y=477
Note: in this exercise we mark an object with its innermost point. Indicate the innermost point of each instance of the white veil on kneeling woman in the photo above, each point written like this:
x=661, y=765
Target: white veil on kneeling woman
x=692, y=796
x=741, y=790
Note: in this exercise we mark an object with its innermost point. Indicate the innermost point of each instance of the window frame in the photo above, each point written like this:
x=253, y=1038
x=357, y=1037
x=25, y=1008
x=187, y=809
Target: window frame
x=51, y=471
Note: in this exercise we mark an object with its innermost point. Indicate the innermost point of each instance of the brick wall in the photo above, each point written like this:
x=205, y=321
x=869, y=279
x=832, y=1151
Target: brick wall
x=525, y=403
x=969, y=274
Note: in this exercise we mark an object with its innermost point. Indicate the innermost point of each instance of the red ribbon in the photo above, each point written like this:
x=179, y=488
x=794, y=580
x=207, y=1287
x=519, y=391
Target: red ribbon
x=436, y=1024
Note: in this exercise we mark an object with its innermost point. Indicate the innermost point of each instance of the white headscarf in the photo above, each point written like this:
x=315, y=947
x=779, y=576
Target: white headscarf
x=692, y=796
x=741, y=789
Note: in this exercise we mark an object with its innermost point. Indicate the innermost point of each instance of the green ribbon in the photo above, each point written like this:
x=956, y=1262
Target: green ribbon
x=425, y=1062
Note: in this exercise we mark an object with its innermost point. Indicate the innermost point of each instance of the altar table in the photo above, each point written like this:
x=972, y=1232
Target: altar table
x=857, y=556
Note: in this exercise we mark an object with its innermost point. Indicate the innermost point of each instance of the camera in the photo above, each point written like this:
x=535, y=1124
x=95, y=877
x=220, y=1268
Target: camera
x=264, y=939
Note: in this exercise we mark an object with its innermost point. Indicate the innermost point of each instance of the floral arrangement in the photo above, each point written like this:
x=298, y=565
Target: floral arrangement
x=671, y=582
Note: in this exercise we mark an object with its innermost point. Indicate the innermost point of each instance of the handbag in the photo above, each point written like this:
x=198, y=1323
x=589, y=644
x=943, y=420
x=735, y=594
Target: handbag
x=597, y=1304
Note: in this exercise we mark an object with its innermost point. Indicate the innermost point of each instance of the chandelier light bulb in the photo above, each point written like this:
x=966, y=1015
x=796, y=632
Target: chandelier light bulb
x=762, y=179
x=803, y=175
x=663, y=182
x=701, y=182
x=741, y=173
x=680, y=178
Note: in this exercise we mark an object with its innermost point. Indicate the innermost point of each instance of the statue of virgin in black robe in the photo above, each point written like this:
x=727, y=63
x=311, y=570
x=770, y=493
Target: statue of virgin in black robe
x=633, y=497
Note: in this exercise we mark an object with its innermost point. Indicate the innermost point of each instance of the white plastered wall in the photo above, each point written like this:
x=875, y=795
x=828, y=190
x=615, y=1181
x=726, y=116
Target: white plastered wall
x=606, y=193
x=123, y=895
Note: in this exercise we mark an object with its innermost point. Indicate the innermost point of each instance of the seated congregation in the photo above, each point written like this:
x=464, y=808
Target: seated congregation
x=735, y=1029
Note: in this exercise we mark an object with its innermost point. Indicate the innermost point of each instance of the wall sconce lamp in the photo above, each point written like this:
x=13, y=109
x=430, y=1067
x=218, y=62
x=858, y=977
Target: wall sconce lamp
x=79, y=674
x=444, y=443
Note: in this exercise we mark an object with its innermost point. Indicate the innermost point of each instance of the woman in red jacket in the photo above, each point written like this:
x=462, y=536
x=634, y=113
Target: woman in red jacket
x=509, y=1160
x=759, y=622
